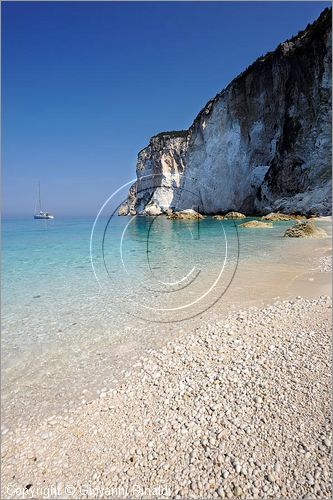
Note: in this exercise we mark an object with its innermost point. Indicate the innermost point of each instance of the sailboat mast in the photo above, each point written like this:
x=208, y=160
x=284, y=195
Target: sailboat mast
x=41, y=214
x=39, y=200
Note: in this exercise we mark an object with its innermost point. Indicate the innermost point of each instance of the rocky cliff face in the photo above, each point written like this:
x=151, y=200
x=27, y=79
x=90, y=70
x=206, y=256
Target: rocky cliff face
x=159, y=171
x=262, y=144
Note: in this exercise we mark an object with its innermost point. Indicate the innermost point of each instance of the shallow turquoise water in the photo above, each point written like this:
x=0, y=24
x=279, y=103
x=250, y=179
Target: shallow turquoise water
x=69, y=296
x=47, y=264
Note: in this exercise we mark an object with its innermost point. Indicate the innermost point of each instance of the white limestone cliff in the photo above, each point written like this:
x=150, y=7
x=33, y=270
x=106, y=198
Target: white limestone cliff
x=263, y=144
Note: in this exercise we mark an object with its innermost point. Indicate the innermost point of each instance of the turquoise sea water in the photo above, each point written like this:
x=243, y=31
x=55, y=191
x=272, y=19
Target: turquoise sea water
x=48, y=267
x=55, y=269
x=68, y=293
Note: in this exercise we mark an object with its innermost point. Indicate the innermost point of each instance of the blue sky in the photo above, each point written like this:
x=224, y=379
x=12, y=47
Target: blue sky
x=86, y=84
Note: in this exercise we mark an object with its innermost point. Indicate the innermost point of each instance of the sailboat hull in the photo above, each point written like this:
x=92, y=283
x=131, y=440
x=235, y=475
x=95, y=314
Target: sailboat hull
x=43, y=216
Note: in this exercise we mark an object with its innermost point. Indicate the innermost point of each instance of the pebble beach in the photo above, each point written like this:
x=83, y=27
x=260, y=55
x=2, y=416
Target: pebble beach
x=166, y=312
x=239, y=408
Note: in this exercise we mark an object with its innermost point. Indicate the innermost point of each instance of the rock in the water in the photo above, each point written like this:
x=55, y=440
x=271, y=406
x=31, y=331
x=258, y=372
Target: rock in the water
x=188, y=214
x=219, y=217
x=277, y=216
x=124, y=209
x=256, y=224
x=234, y=215
x=306, y=229
x=152, y=209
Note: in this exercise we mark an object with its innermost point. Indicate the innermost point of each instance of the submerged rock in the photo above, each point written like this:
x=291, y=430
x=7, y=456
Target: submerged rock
x=219, y=217
x=256, y=224
x=306, y=229
x=188, y=214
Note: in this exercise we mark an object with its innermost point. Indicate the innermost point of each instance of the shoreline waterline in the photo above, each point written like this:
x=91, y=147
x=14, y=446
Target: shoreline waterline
x=111, y=404
x=88, y=347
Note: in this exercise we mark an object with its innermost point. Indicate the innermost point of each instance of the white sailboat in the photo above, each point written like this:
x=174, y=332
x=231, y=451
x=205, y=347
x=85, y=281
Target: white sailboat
x=41, y=214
